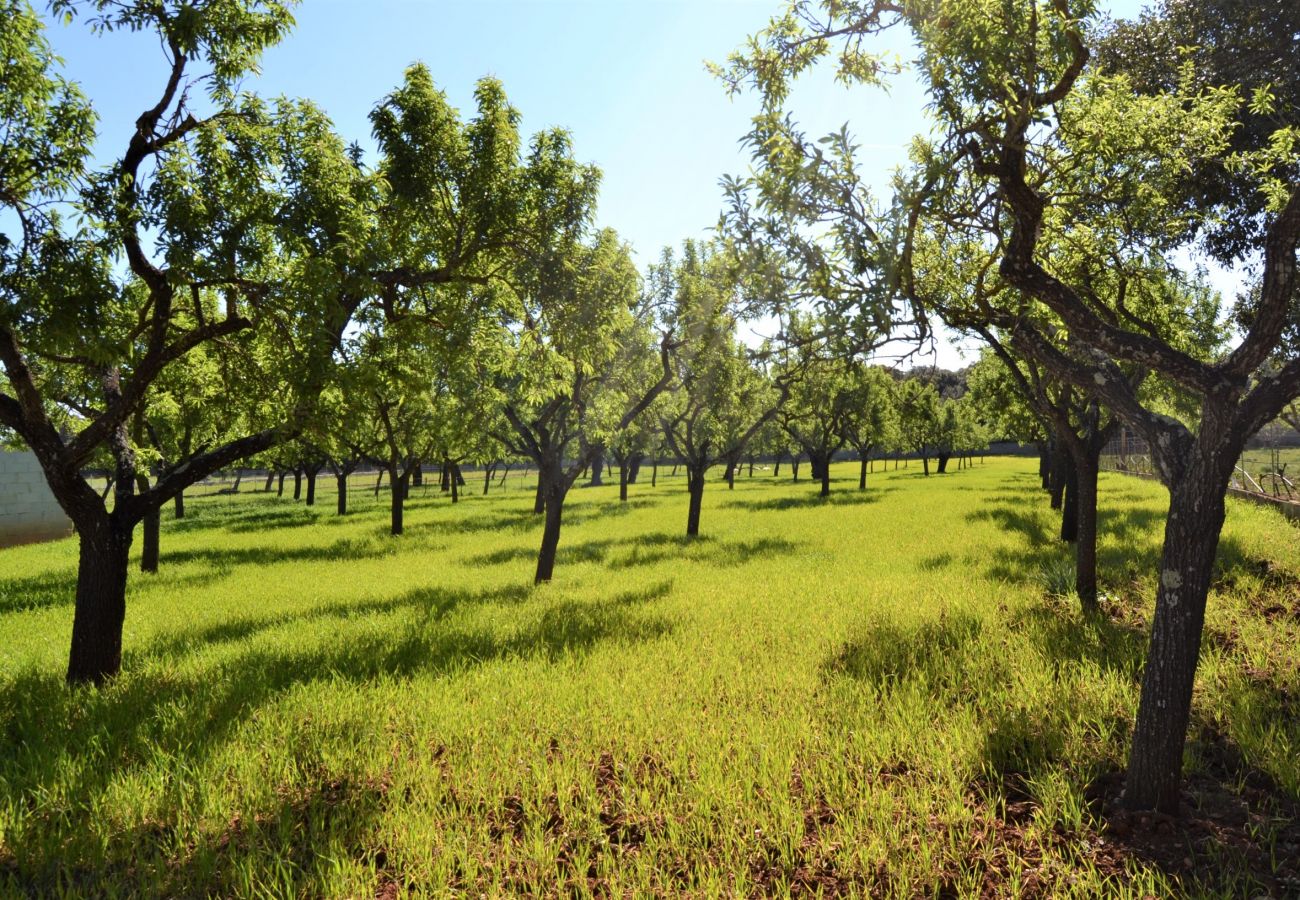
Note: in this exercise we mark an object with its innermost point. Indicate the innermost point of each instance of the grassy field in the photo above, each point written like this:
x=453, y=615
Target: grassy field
x=882, y=694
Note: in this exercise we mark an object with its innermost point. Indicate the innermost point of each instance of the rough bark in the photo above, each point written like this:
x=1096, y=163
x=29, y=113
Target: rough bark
x=150, y=526
x=623, y=478
x=1085, y=546
x=1069, y=499
x=554, y=503
x=178, y=504
x=862, y=472
x=398, y=494
x=941, y=467
x=824, y=465
x=1056, y=486
x=96, y=653
x=297, y=484
x=1196, y=513
x=695, y=485
x=311, y=486
x=341, y=480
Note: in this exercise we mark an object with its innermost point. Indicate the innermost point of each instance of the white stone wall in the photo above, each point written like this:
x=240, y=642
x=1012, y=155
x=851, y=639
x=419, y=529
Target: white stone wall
x=28, y=511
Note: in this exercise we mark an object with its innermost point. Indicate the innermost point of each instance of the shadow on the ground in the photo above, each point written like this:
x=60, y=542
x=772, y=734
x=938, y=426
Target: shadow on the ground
x=78, y=742
x=646, y=550
x=844, y=496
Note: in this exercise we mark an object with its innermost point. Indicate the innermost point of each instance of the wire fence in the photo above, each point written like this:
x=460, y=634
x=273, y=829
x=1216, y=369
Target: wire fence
x=1270, y=466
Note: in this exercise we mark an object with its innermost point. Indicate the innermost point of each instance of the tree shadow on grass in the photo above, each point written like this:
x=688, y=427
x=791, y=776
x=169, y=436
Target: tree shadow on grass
x=32, y=592
x=228, y=557
x=75, y=743
x=843, y=497
x=1237, y=812
x=646, y=550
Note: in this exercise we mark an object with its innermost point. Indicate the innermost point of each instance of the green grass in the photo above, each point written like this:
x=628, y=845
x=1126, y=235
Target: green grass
x=883, y=693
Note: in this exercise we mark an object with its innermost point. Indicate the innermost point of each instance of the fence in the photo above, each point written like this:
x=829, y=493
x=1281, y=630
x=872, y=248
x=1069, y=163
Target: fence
x=1268, y=469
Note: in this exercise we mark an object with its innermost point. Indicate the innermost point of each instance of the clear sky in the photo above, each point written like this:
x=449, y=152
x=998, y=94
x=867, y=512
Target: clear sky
x=627, y=77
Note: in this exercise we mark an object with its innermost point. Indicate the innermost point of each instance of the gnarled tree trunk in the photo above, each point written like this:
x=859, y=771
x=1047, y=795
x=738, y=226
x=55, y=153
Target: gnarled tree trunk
x=1195, y=520
x=100, y=610
x=695, y=487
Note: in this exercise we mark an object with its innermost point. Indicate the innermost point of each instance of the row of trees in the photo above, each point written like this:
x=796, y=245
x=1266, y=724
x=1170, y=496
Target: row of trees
x=1073, y=164
x=239, y=282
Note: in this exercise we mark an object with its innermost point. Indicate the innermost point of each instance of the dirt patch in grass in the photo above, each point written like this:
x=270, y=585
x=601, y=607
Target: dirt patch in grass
x=1237, y=834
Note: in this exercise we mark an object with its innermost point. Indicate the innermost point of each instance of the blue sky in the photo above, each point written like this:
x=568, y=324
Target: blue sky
x=627, y=77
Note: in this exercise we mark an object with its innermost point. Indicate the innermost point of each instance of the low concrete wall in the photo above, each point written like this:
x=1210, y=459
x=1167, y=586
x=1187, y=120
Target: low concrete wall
x=28, y=511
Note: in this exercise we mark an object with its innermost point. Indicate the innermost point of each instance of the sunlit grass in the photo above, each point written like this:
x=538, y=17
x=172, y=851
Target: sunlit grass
x=811, y=696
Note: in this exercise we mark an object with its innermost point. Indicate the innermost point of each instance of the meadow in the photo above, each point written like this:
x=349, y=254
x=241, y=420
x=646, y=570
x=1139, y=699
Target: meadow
x=888, y=693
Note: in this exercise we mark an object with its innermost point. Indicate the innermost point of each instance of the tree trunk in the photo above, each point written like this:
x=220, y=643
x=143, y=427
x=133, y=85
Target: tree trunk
x=794, y=466
x=925, y=463
x=456, y=482
x=179, y=504
x=487, y=479
x=297, y=484
x=862, y=473
x=751, y=467
x=776, y=468
x=654, y=472
x=1044, y=466
x=279, y=492
x=1195, y=519
x=239, y=476
x=731, y=474
x=597, y=468
x=100, y=610
x=942, y=467
x=1085, y=547
x=444, y=477
x=539, y=502
x=379, y=479
x=825, y=463
x=1056, y=486
x=554, y=502
x=341, y=480
x=270, y=481
x=695, y=485
x=417, y=476
x=1070, y=500
x=622, y=482
x=398, y=493
x=311, y=487
x=634, y=468
x=149, y=532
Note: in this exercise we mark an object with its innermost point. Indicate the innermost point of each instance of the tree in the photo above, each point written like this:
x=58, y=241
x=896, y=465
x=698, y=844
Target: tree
x=919, y=419
x=82, y=332
x=722, y=400
x=1034, y=152
x=871, y=420
x=819, y=405
x=574, y=322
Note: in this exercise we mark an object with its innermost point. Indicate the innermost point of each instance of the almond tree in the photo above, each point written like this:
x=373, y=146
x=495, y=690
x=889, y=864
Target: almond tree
x=99, y=305
x=1034, y=151
x=871, y=422
x=574, y=322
